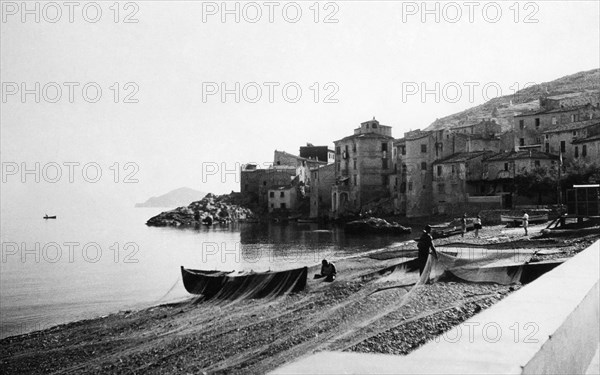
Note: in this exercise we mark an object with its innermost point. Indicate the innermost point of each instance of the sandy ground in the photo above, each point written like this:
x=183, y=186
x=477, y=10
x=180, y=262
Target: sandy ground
x=360, y=311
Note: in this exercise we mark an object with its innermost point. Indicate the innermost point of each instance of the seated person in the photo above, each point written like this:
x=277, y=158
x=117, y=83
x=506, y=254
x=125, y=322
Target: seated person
x=327, y=270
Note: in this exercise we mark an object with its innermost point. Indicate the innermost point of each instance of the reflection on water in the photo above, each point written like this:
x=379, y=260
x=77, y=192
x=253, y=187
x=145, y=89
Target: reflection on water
x=46, y=280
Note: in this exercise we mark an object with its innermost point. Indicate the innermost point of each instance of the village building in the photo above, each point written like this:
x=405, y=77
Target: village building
x=499, y=172
x=282, y=198
x=570, y=139
x=587, y=149
x=363, y=167
x=255, y=182
x=457, y=186
x=530, y=126
x=323, y=178
x=320, y=153
x=573, y=99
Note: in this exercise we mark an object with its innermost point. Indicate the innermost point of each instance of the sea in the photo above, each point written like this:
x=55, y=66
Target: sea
x=84, y=265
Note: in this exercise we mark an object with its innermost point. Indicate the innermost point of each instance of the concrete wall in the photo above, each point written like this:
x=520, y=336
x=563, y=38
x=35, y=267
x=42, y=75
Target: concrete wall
x=550, y=326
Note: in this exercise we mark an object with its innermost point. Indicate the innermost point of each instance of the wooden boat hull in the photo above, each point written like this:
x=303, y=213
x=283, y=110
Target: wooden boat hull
x=518, y=220
x=227, y=285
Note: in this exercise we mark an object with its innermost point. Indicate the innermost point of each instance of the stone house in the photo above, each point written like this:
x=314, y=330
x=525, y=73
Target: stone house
x=320, y=153
x=255, y=182
x=282, y=198
x=456, y=179
x=323, y=178
x=363, y=165
x=570, y=139
x=500, y=170
x=530, y=126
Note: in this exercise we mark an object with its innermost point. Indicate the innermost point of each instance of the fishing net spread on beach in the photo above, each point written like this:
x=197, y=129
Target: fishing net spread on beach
x=239, y=286
x=478, y=265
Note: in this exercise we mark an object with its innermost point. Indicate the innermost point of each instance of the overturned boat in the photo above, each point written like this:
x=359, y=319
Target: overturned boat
x=241, y=285
x=375, y=225
x=518, y=220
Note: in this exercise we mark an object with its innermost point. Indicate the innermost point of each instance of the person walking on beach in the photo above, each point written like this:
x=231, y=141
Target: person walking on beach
x=477, y=226
x=425, y=243
x=525, y=222
x=463, y=225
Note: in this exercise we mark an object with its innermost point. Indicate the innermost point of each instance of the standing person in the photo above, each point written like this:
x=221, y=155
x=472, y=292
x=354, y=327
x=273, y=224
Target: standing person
x=525, y=222
x=477, y=226
x=425, y=243
x=463, y=225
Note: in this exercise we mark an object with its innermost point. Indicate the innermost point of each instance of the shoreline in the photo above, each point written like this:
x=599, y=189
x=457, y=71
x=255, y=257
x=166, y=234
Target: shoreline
x=353, y=313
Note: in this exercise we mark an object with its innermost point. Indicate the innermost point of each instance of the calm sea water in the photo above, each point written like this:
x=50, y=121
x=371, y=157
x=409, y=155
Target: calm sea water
x=85, y=265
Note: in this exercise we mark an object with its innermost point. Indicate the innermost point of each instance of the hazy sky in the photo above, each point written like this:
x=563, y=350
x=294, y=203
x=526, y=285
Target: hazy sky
x=179, y=52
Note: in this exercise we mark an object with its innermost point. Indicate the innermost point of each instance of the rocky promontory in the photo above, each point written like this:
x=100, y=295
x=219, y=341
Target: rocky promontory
x=210, y=209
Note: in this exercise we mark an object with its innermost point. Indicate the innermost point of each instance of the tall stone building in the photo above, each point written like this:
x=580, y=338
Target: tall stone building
x=363, y=167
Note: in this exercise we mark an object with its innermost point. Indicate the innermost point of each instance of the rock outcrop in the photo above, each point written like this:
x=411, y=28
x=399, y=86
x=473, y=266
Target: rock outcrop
x=211, y=208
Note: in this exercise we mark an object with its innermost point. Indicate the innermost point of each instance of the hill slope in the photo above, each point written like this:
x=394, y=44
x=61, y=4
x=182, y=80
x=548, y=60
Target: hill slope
x=505, y=107
x=175, y=198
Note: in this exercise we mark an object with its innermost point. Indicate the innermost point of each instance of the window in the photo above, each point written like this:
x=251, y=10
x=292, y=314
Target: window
x=271, y=194
x=346, y=149
x=537, y=122
x=410, y=186
x=374, y=126
x=584, y=151
x=423, y=166
x=536, y=163
x=404, y=168
x=574, y=133
x=521, y=124
x=403, y=150
x=554, y=122
x=547, y=147
x=385, y=179
x=282, y=206
x=264, y=183
x=272, y=205
x=384, y=146
x=384, y=163
x=282, y=194
x=452, y=168
x=439, y=170
x=441, y=189
x=576, y=151
x=403, y=187
x=521, y=141
x=506, y=166
x=563, y=146
x=354, y=179
x=354, y=162
x=338, y=166
x=337, y=150
x=354, y=147
x=423, y=148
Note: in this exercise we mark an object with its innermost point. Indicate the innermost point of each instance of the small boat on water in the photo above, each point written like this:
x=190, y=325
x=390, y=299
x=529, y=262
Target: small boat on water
x=231, y=285
x=49, y=217
x=518, y=220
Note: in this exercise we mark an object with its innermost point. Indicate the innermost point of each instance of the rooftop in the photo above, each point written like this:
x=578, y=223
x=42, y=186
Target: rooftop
x=516, y=155
x=587, y=139
x=573, y=126
x=544, y=111
x=463, y=156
